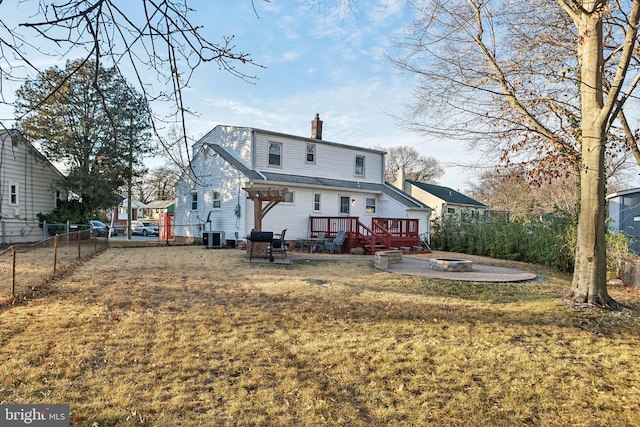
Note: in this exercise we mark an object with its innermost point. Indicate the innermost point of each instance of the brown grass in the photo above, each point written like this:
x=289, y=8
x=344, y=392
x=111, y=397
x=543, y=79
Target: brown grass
x=170, y=336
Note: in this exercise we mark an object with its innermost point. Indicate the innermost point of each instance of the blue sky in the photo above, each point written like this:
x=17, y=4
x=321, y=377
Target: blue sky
x=316, y=61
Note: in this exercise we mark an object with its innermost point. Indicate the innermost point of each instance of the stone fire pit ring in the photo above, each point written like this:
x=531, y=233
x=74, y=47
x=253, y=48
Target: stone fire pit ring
x=450, y=264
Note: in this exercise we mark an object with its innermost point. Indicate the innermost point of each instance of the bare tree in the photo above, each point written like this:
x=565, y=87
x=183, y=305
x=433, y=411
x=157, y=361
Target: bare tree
x=510, y=190
x=416, y=166
x=544, y=81
x=156, y=36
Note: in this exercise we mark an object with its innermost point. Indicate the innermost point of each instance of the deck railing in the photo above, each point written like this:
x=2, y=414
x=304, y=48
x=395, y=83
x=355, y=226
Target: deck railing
x=398, y=227
x=382, y=231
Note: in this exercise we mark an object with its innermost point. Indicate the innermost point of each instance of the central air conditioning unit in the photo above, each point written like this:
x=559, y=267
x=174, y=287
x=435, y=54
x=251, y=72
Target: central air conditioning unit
x=213, y=239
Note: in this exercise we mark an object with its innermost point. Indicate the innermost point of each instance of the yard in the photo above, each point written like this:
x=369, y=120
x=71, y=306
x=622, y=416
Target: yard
x=181, y=336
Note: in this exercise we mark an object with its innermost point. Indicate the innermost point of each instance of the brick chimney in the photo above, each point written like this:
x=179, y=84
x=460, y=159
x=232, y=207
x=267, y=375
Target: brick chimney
x=316, y=127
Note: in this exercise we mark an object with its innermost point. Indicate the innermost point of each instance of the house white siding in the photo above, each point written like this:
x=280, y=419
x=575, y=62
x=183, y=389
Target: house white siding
x=36, y=187
x=331, y=160
x=229, y=159
x=213, y=174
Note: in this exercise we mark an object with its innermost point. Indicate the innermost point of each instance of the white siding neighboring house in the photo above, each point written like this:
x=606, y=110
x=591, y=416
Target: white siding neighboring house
x=324, y=179
x=29, y=184
x=443, y=200
x=136, y=210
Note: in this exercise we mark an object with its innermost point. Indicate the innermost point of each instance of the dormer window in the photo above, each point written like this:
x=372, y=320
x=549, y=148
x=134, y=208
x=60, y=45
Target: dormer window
x=275, y=154
x=359, y=169
x=311, y=153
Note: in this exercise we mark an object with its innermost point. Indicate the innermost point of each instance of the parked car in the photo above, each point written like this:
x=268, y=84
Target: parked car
x=100, y=229
x=144, y=228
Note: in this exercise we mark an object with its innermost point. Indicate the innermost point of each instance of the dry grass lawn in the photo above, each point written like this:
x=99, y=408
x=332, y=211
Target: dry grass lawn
x=182, y=336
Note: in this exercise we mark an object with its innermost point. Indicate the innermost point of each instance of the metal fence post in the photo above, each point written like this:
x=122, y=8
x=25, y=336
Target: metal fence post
x=13, y=274
x=79, y=254
x=55, y=254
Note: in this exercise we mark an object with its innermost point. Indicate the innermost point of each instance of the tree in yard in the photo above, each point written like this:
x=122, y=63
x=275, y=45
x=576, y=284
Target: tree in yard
x=96, y=125
x=416, y=166
x=157, y=38
x=549, y=83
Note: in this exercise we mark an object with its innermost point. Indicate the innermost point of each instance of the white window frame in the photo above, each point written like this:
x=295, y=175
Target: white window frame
x=194, y=201
x=348, y=205
x=289, y=195
x=370, y=208
x=14, y=193
x=356, y=167
x=217, y=199
x=57, y=197
x=317, y=200
x=275, y=144
x=312, y=153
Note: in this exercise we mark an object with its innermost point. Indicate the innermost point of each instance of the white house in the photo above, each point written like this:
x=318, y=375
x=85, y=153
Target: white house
x=330, y=186
x=443, y=200
x=29, y=185
x=136, y=209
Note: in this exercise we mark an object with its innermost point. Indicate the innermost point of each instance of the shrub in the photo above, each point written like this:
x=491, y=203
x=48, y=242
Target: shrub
x=547, y=240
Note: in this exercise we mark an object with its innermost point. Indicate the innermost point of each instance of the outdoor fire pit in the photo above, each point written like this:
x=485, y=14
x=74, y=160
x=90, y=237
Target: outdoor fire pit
x=450, y=264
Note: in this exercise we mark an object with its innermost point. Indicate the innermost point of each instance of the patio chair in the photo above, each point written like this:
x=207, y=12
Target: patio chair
x=278, y=244
x=319, y=246
x=335, y=245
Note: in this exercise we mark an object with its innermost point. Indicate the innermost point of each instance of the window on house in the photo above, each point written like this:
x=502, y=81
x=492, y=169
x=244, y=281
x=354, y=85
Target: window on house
x=288, y=198
x=13, y=193
x=216, y=199
x=194, y=201
x=345, y=203
x=311, y=153
x=370, y=205
x=316, y=202
x=359, y=166
x=57, y=198
x=451, y=210
x=275, y=154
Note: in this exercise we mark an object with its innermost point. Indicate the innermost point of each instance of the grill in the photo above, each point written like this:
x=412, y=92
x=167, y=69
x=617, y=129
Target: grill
x=264, y=237
x=261, y=236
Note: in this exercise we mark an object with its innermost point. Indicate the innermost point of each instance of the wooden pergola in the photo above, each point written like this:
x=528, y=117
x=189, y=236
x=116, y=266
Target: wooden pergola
x=271, y=195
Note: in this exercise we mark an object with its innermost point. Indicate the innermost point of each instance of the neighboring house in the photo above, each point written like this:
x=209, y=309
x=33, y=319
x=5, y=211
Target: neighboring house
x=443, y=200
x=29, y=185
x=624, y=214
x=331, y=186
x=136, y=210
x=152, y=210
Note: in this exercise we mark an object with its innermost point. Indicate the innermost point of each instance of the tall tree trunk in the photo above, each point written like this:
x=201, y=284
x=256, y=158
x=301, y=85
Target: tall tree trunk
x=589, y=279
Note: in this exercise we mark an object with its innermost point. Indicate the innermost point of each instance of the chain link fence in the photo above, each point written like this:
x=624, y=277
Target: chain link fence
x=24, y=268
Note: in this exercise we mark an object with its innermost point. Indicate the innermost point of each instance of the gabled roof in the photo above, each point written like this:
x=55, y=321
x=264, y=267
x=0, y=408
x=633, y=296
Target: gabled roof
x=447, y=194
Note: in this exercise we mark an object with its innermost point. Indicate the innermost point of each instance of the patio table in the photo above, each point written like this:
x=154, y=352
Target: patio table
x=314, y=244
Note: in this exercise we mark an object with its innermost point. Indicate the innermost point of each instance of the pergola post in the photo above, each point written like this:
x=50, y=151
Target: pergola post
x=272, y=196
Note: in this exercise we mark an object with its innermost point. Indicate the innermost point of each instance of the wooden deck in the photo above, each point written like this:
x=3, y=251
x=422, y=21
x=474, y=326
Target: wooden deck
x=381, y=234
